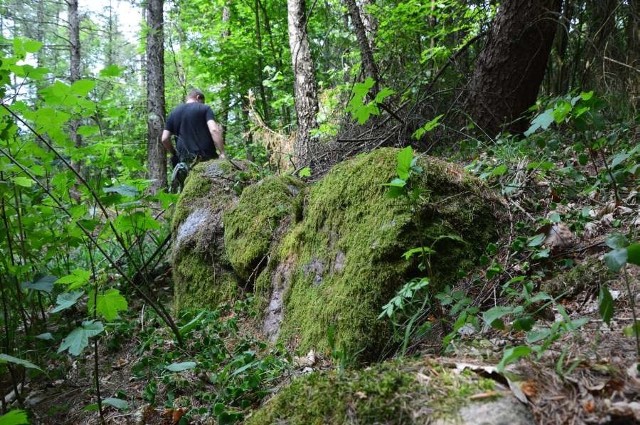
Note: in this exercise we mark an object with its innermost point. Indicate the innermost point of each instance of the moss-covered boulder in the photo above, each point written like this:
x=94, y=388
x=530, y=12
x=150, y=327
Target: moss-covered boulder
x=342, y=262
x=202, y=273
x=262, y=215
x=417, y=392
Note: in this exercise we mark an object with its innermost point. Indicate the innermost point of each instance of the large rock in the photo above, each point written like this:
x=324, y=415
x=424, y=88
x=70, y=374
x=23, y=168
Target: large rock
x=202, y=273
x=334, y=270
x=323, y=260
x=409, y=392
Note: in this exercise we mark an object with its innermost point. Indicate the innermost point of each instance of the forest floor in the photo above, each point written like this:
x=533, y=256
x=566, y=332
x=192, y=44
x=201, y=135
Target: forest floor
x=587, y=375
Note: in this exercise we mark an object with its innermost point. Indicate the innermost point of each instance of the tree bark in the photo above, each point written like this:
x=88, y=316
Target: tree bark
x=74, y=61
x=510, y=68
x=366, y=54
x=156, y=155
x=306, y=92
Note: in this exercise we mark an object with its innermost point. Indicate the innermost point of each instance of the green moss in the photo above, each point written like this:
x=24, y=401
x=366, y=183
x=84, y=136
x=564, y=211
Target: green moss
x=198, y=283
x=388, y=393
x=347, y=251
x=258, y=218
x=202, y=274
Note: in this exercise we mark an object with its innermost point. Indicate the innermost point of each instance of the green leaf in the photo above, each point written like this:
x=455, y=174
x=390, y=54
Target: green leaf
x=14, y=417
x=404, y=158
x=632, y=330
x=633, y=254
x=513, y=354
x=383, y=94
x=44, y=284
x=88, y=130
x=110, y=304
x=543, y=121
x=78, y=339
x=179, y=367
x=427, y=127
x=305, y=172
x=124, y=190
x=396, y=183
x=561, y=110
x=536, y=240
x=606, y=304
x=47, y=336
x=82, y=87
x=616, y=259
x=5, y=358
x=499, y=170
x=616, y=241
x=115, y=402
x=111, y=71
x=66, y=300
x=493, y=316
x=77, y=279
x=23, y=181
x=421, y=250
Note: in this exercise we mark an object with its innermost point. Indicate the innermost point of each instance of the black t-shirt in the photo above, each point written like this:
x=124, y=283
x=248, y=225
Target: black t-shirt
x=189, y=124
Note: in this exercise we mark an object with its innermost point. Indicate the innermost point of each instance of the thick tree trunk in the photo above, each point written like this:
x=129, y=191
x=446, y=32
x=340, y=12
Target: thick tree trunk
x=156, y=155
x=510, y=68
x=366, y=54
x=306, y=92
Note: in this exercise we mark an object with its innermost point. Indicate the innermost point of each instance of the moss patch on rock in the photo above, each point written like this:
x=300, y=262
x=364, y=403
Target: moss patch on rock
x=263, y=212
x=202, y=274
x=344, y=261
x=416, y=392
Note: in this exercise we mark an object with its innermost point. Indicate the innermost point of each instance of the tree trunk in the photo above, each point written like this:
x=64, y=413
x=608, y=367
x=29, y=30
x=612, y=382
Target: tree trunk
x=366, y=54
x=156, y=155
x=74, y=61
x=510, y=68
x=306, y=93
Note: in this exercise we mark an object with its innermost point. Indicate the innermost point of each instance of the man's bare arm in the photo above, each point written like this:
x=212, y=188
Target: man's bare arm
x=166, y=142
x=216, y=134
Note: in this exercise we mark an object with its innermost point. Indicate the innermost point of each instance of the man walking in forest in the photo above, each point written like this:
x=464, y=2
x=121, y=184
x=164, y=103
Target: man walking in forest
x=197, y=135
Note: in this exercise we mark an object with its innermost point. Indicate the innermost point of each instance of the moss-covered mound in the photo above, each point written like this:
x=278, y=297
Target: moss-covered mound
x=417, y=392
x=339, y=265
x=264, y=212
x=202, y=273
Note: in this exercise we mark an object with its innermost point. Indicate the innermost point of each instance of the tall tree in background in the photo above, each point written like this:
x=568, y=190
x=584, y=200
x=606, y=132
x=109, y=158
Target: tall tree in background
x=156, y=156
x=306, y=92
x=366, y=53
x=510, y=68
x=75, y=60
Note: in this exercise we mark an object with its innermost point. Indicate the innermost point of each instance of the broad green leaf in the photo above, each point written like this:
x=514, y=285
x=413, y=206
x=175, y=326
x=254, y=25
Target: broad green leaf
x=536, y=240
x=305, y=172
x=616, y=259
x=619, y=159
x=396, y=183
x=124, y=190
x=23, y=181
x=14, y=417
x=606, y=304
x=66, y=300
x=427, y=127
x=179, y=367
x=110, y=304
x=513, y=354
x=538, y=335
x=523, y=323
x=493, y=316
x=47, y=336
x=404, y=158
x=44, y=284
x=561, y=110
x=617, y=241
x=586, y=95
x=499, y=170
x=82, y=87
x=78, y=339
x=5, y=358
x=77, y=279
x=543, y=121
x=115, y=402
x=383, y=94
x=633, y=254
x=88, y=130
x=111, y=71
